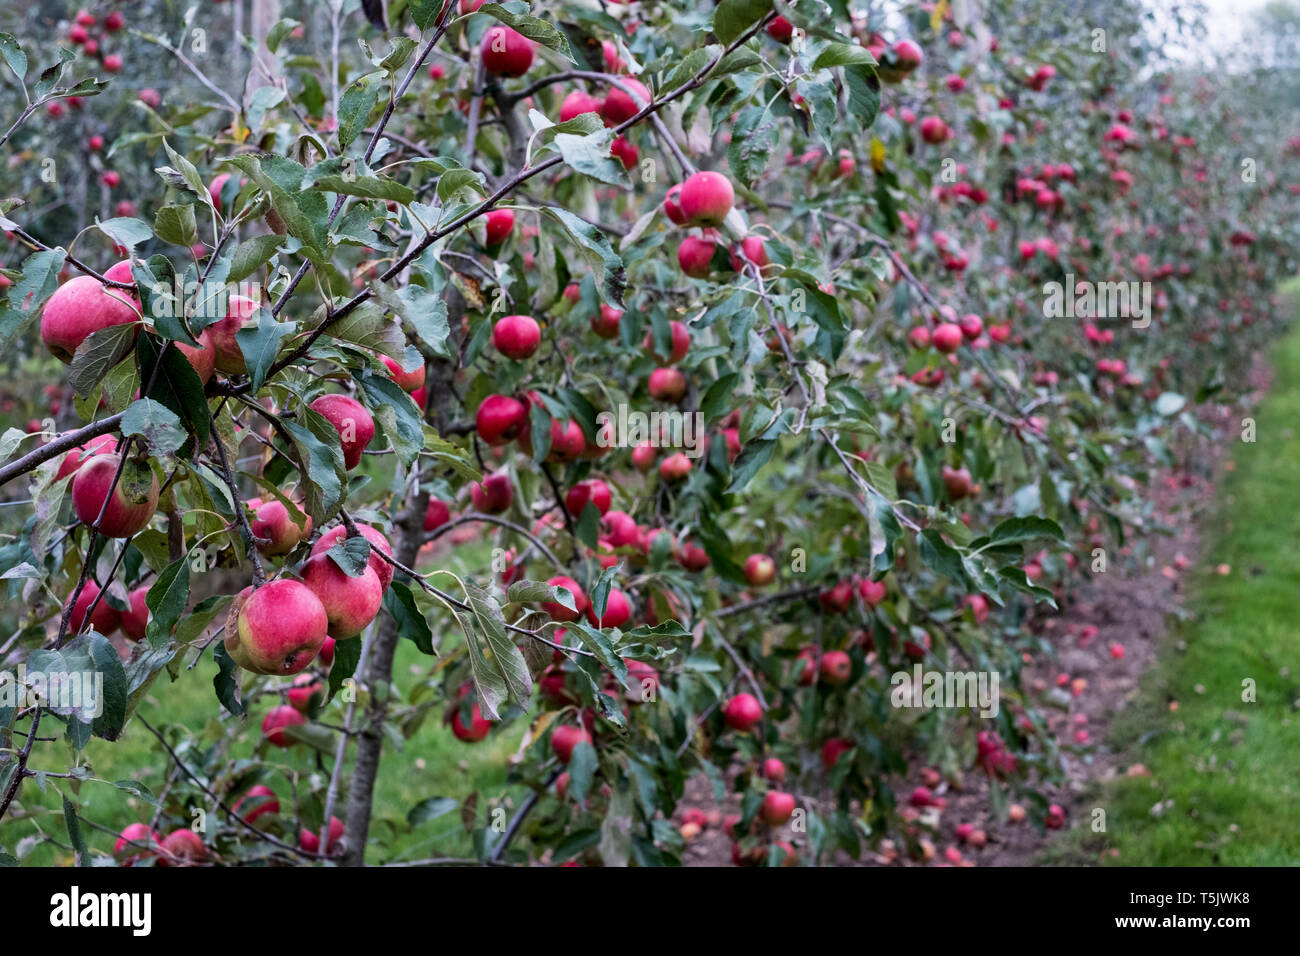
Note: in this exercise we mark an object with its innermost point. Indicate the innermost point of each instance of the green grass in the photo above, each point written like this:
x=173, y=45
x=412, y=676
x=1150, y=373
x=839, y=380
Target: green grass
x=1229, y=766
x=431, y=763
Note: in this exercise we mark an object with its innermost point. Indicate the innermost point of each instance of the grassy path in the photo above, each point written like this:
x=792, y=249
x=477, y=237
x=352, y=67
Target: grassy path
x=1225, y=770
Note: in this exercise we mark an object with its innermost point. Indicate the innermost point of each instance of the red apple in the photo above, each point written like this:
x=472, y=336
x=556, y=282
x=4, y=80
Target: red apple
x=695, y=256
x=759, y=570
x=277, y=628
x=132, y=503
x=383, y=570
x=262, y=799
x=309, y=840
x=73, y=460
x=675, y=467
x=557, y=611
x=672, y=206
x=106, y=618
x=407, y=381
x=681, y=344
x=498, y=223
x=947, y=337
x=506, y=52
x=836, y=668
x=517, y=336
x=500, y=419
x=577, y=103
x=229, y=357
x=606, y=323
x=276, y=720
x=493, y=495
x=182, y=847
x=135, y=621
x=350, y=603
x=619, y=107
x=706, y=198
x=618, y=610
x=777, y=807
x=742, y=712
x=565, y=739
x=593, y=490
x=79, y=307
x=667, y=385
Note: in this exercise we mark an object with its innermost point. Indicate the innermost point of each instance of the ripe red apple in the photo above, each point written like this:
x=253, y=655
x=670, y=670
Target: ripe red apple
x=351, y=420
x=836, y=668
x=780, y=29
x=406, y=381
x=493, y=495
x=309, y=840
x=644, y=680
x=672, y=205
x=838, y=599
x=500, y=419
x=593, y=490
x=277, y=628
x=706, y=198
x=759, y=570
x=436, y=515
x=516, y=336
x=947, y=337
x=133, y=501
x=695, y=256
x=272, y=522
x=114, y=21
x=873, y=592
x=681, y=344
x=229, y=356
x=972, y=326
x=262, y=799
x=667, y=385
x=135, y=621
x=777, y=807
x=675, y=467
x=565, y=739
x=577, y=103
x=605, y=324
x=478, y=727
x=506, y=52
x=182, y=847
x=619, y=107
x=618, y=610
x=742, y=712
x=79, y=307
x=276, y=720
x=202, y=357
x=957, y=481
x=150, y=98
x=73, y=460
x=350, y=603
x=774, y=769
x=305, y=687
x=903, y=59
x=833, y=749
x=106, y=618
x=557, y=611
x=934, y=130
x=498, y=223
x=692, y=557
x=643, y=457
x=624, y=151
x=126, y=847
x=383, y=570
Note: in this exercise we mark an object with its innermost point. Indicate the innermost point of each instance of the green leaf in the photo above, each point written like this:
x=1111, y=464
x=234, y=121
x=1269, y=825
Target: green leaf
x=100, y=351
x=226, y=683
x=166, y=600
x=251, y=254
x=75, y=836
x=606, y=265
x=260, y=340
x=424, y=13
x=347, y=655
x=1170, y=403
x=430, y=808
x=505, y=654
x=590, y=156
x=733, y=17
x=319, y=454
x=752, y=458
x=126, y=231
x=355, y=106
x=843, y=54
x=396, y=412
x=453, y=181
x=399, y=602
x=282, y=28
x=156, y=424
x=14, y=56
x=175, y=224
x=864, y=94
x=351, y=554
x=941, y=558
x=534, y=28
x=1020, y=530
x=113, y=694
x=368, y=187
